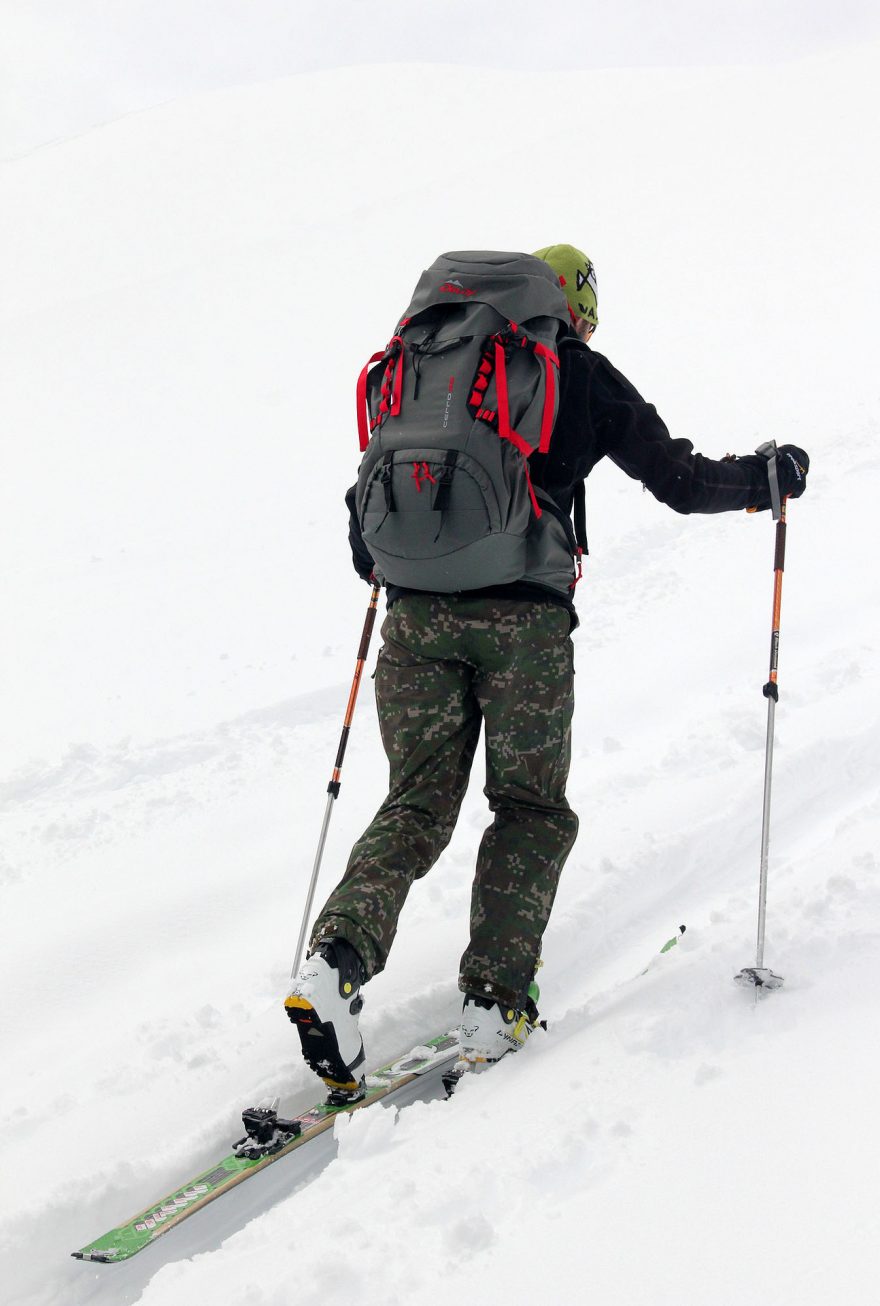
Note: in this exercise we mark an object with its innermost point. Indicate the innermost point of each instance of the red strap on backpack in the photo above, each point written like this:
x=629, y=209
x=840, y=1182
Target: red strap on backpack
x=501, y=392
x=550, y=360
x=505, y=431
x=397, y=385
x=362, y=415
x=394, y=348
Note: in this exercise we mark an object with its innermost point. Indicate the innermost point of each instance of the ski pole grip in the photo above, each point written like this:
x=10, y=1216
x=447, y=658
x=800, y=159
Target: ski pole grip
x=367, y=635
x=369, y=622
x=779, y=556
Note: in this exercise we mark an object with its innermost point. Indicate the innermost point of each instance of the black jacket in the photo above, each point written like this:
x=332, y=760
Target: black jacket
x=602, y=415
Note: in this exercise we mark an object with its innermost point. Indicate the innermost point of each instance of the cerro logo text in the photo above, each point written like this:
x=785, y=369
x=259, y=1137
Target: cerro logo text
x=449, y=391
x=455, y=288
x=172, y=1207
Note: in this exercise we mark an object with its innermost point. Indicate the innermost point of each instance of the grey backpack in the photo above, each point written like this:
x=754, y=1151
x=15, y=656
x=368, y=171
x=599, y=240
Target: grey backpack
x=449, y=414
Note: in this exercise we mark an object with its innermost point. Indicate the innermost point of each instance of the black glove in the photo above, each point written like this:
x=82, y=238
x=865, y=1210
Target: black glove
x=792, y=465
x=360, y=554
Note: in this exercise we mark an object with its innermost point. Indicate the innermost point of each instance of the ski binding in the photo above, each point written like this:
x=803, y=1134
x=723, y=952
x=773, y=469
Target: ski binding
x=451, y=1077
x=265, y=1132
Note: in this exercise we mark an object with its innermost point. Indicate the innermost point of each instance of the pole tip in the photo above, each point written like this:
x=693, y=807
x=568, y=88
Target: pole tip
x=758, y=977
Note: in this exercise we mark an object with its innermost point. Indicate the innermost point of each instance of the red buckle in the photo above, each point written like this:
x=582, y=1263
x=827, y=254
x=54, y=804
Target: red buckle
x=579, y=560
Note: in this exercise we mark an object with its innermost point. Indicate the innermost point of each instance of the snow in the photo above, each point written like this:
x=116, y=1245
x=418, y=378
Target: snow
x=180, y=630
x=65, y=70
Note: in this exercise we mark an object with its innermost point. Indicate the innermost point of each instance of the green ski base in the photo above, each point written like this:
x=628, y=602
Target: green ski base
x=128, y=1239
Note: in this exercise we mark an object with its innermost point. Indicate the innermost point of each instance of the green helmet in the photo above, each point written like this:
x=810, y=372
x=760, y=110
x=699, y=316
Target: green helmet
x=577, y=276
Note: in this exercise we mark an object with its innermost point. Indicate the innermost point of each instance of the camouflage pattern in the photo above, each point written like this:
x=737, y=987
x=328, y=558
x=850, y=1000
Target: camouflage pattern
x=448, y=663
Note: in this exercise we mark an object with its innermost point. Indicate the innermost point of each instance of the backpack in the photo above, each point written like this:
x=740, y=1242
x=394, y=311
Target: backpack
x=449, y=414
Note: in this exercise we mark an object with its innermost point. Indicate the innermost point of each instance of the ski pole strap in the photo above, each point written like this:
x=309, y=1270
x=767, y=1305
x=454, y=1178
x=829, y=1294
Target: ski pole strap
x=768, y=451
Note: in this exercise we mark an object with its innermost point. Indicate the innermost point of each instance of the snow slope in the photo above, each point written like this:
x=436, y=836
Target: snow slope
x=181, y=627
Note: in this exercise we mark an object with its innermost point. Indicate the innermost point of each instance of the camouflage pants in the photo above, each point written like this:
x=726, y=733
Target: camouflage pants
x=448, y=664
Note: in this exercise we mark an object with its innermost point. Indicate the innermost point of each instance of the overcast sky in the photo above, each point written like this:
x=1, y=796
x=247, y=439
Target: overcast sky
x=67, y=65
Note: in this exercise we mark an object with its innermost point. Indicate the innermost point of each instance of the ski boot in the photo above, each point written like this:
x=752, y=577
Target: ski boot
x=489, y=1030
x=324, y=1004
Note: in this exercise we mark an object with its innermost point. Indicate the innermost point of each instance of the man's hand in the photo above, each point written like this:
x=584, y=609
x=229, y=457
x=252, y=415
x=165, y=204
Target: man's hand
x=792, y=465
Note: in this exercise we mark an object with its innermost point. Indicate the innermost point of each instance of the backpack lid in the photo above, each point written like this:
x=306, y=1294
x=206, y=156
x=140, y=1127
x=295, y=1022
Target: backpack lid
x=518, y=286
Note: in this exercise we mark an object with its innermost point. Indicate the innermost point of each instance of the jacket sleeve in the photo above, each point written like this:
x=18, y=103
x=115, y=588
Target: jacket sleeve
x=360, y=556
x=633, y=435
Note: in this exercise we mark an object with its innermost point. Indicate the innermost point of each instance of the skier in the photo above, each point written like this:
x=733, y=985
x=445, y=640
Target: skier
x=503, y=656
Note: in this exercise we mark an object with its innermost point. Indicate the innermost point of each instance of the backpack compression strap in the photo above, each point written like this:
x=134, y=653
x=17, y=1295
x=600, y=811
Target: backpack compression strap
x=392, y=388
x=494, y=360
x=503, y=414
x=550, y=360
x=363, y=432
x=504, y=428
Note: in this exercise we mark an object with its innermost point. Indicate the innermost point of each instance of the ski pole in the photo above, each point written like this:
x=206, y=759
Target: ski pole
x=759, y=975
x=335, y=781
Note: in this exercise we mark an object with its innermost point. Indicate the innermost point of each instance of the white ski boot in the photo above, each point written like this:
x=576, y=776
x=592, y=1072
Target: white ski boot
x=324, y=1004
x=490, y=1029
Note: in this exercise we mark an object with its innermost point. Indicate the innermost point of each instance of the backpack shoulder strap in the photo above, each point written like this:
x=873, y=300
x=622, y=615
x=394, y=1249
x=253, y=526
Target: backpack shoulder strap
x=579, y=507
x=580, y=516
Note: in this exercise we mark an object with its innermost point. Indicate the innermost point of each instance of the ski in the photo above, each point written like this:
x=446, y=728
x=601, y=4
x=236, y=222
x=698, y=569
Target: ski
x=268, y=1139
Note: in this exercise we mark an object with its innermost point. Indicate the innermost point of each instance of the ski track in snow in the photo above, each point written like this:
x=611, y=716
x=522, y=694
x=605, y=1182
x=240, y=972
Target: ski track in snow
x=110, y=790
x=668, y=1139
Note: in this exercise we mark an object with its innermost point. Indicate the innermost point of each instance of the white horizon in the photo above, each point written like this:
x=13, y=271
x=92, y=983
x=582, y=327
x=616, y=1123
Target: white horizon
x=67, y=70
